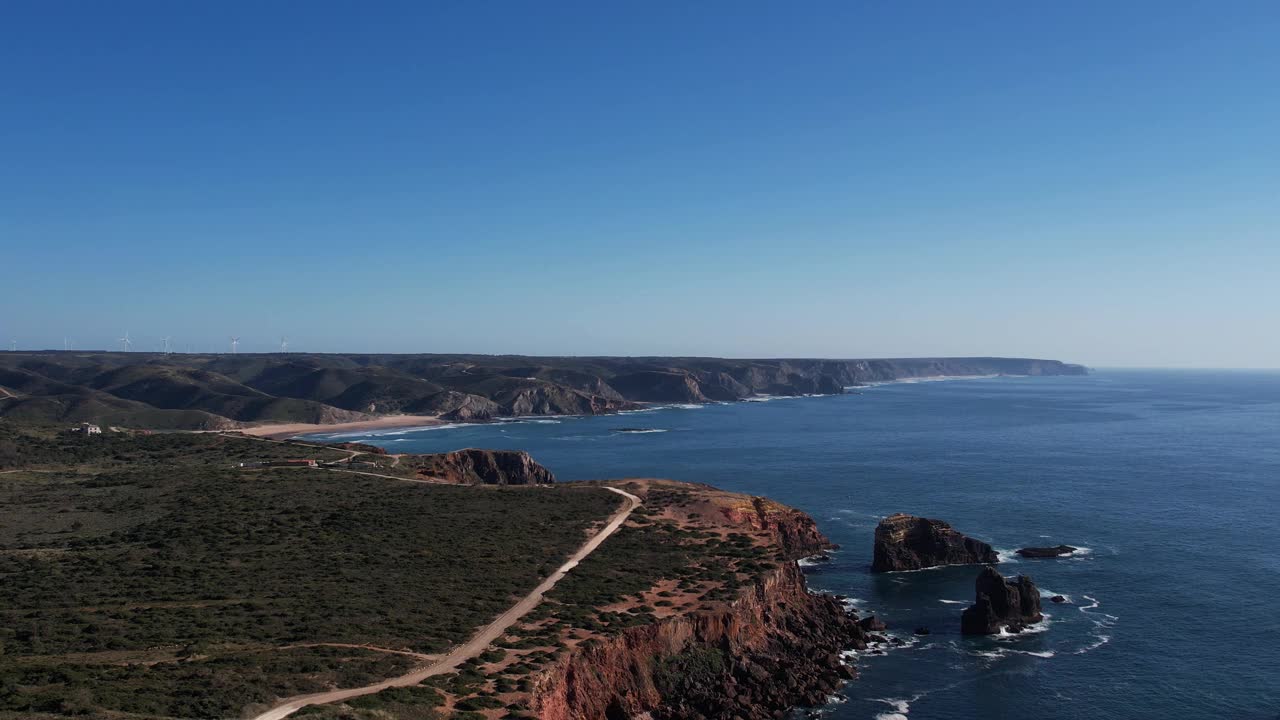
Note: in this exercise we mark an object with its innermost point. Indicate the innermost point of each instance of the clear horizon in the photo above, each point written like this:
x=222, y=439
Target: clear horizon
x=1093, y=184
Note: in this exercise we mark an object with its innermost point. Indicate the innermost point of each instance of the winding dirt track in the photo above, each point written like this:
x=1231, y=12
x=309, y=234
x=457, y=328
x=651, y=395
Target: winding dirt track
x=477, y=643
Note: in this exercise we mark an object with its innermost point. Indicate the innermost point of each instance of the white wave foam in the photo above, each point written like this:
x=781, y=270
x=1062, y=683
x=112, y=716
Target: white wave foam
x=1099, y=642
x=1100, y=617
x=390, y=433
x=923, y=569
x=1035, y=629
x=954, y=602
x=1005, y=652
x=917, y=380
x=813, y=560
x=852, y=603
x=1047, y=593
x=1006, y=556
x=645, y=431
x=900, y=708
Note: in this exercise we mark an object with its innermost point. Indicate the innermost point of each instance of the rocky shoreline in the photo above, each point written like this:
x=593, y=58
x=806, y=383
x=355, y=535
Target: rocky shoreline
x=774, y=646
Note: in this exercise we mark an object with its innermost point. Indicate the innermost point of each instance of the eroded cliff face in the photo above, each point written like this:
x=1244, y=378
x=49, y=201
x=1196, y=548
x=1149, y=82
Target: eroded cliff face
x=481, y=467
x=795, y=532
x=774, y=647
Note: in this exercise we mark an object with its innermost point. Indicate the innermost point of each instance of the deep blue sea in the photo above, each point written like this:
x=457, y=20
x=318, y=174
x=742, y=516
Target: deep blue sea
x=1170, y=481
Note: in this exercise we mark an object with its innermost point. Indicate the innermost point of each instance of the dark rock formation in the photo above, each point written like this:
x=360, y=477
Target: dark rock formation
x=871, y=623
x=1057, y=599
x=1046, y=552
x=906, y=542
x=480, y=467
x=922, y=630
x=659, y=386
x=1001, y=603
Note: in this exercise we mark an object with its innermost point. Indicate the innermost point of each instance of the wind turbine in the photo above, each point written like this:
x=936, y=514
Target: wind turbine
x=235, y=342
x=125, y=343
x=284, y=344
x=167, y=338
x=13, y=346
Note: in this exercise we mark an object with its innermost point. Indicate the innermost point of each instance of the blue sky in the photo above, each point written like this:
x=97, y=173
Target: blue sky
x=1075, y=180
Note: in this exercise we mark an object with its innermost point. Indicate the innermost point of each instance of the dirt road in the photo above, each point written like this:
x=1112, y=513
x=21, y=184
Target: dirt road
x=477, y=643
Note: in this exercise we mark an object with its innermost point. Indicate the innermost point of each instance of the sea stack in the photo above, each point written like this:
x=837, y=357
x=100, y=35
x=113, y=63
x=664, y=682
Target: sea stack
x=1001, y=603
x=907, y=542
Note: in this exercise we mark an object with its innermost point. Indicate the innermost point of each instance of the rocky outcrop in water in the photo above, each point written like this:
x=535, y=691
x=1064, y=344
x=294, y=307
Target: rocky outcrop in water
x=480, y=467
x=1047, y=552
x=1002, y=602
x=907, y=542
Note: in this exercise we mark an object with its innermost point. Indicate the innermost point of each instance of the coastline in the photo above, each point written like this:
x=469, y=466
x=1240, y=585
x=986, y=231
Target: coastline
x=282, y=431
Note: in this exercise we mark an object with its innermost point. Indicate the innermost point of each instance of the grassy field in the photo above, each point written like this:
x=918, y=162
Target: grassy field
x=146, y=575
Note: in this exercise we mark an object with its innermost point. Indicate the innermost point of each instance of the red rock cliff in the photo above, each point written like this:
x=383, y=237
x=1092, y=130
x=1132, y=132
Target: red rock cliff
x=773, y=647
x=795, y=532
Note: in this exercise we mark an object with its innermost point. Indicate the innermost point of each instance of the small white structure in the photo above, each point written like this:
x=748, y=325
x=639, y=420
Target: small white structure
x=87, y=429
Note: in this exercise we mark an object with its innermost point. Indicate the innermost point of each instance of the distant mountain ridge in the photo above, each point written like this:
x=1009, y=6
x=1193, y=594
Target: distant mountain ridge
x=183, y=391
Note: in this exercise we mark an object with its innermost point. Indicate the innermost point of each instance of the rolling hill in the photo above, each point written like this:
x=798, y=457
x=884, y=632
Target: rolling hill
x=182, y=391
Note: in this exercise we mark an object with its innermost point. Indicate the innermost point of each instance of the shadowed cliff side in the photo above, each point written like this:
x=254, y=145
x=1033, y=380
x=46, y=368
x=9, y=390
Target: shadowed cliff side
x=906, y=542
x=480, y=467
x=1001, y=603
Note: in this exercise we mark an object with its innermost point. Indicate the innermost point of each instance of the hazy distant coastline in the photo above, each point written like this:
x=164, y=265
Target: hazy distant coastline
x=294, y=393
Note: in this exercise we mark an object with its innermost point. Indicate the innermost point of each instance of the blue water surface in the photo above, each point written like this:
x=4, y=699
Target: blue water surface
x=1169, y=481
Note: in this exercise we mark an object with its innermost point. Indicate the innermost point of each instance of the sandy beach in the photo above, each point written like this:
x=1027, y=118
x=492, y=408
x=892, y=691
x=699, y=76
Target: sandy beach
x=281, y=431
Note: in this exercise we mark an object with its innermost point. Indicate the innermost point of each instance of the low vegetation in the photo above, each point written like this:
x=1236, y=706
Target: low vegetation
x=148, y=576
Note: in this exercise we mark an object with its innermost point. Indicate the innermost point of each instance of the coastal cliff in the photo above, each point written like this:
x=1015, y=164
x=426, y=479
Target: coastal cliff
x=793, y=531
x=774, y=647
x=769, y=646
x=480, y=467
x=193, y=391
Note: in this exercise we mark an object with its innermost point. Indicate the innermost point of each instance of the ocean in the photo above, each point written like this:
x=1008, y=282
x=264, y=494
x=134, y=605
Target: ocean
x=1169, y=481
